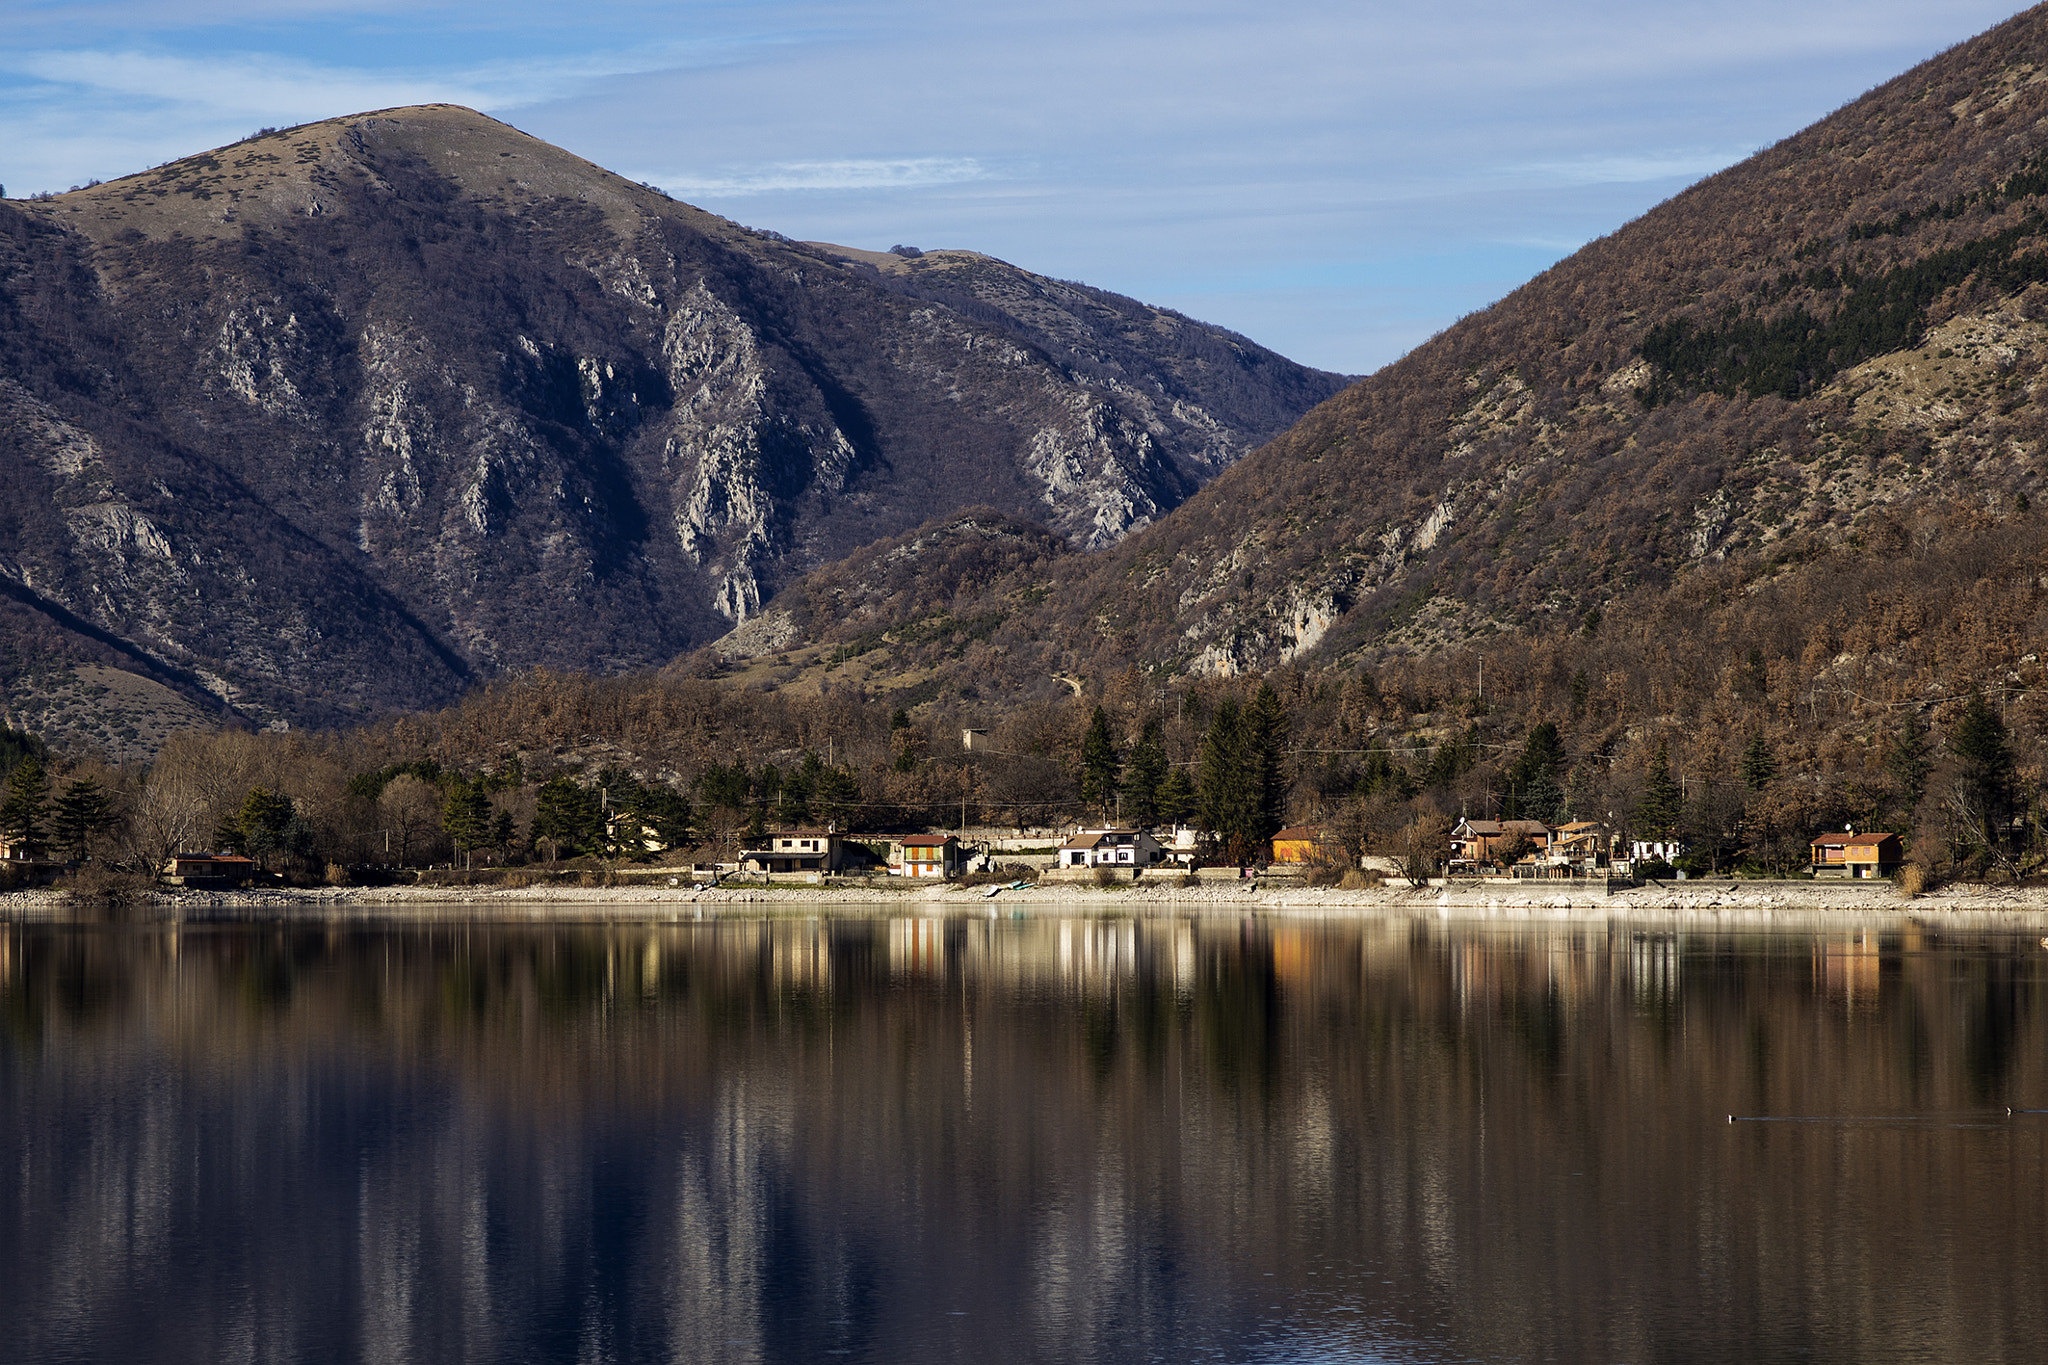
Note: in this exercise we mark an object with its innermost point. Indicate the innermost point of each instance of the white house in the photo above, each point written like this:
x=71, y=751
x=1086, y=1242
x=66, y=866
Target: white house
x=1131, y=848
x=1656, y=850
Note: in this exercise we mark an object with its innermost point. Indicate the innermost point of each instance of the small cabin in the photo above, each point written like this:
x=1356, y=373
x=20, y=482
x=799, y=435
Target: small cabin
x=1302, y=844
x=209, y=869
x=1854, y=855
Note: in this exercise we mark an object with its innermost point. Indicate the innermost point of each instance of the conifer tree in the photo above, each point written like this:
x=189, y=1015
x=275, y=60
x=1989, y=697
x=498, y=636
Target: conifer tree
x=466, y=816
x=566, y=817
x=1534, y=789
x=1984, y=786
x=1266, y=749
x=21, y=814
x=1144, y=775
x=1176, y=797
x=1759, y=764
x=263, y=822
x=1909, y=762
x=1227, y=799
x=1658, y=813
x=1098, y=764
x=82, y=812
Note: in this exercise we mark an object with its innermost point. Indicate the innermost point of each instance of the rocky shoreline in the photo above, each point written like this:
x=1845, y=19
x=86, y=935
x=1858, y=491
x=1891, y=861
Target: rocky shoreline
x=1730, y=903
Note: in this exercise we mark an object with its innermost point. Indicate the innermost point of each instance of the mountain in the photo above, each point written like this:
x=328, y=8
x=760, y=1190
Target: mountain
x=1844, y=325
x=1808, y=359
x=342, y=418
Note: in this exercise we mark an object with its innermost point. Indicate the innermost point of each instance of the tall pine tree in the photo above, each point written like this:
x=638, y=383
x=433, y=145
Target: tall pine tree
x=1266, y=749
x=1098, y=764
x=82, y=812
x=1662, y=806
x=1227, y=801
x=1144, y=775
x=21, y=814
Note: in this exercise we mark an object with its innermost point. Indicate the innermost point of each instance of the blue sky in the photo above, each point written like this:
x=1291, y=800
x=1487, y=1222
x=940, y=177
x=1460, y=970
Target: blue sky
x=1336, y=180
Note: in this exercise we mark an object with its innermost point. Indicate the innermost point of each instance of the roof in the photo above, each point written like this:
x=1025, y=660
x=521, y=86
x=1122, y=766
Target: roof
x=1299, y=834
x=803, y=834
x=1090, y=838
x=1851, y=840
x=213, y=858
x=928, y=840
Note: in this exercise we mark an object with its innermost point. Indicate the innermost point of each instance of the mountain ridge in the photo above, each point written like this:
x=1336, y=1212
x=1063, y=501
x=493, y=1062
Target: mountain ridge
x=410, y=398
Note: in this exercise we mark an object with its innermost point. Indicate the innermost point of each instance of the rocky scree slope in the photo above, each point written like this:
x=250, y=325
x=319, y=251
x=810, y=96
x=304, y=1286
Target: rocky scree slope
x=340, y=418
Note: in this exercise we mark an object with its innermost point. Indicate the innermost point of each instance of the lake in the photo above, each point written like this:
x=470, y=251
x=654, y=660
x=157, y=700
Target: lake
x=1026, y=1138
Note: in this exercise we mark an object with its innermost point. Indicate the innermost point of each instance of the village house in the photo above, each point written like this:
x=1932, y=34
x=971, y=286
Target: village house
x=931, y=855
x=209, y=869
x=1477, y=844
x=1304, y=844
x=1850, y=854
x=1657, y=850
x=1121, y=848
x=797, y=850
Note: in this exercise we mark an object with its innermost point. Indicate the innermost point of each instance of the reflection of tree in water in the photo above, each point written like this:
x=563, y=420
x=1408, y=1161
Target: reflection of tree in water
x=1094, y=1138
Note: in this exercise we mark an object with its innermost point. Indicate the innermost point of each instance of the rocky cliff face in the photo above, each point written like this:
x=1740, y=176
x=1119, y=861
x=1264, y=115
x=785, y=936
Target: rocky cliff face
x=338, y=418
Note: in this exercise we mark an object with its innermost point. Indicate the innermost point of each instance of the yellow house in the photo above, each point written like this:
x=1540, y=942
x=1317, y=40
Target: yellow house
x=1299, y=844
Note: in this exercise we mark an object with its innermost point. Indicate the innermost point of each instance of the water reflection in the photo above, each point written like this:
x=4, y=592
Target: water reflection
x=1060, y=1139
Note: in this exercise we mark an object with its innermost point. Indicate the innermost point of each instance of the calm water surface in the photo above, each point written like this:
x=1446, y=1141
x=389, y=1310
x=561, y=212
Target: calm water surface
x=1021, y=1139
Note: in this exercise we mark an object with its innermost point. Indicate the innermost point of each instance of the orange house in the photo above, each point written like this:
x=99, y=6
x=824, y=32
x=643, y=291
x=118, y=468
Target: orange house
x=1299, y=844
x=1850, y=854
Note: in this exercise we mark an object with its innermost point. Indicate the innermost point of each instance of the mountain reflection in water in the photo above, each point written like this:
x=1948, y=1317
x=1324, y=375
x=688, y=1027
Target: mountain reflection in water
x=1021, y=1139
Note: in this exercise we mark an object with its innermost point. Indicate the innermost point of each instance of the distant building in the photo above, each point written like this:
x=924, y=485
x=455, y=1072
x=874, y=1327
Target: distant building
x=1123, y=848
x=1657, y=850
x=1302, y=844
x=797, y=850
x=209, y=869
x=1850, y=854
x=1482, y=843
x=974, y=739
x=932, y=855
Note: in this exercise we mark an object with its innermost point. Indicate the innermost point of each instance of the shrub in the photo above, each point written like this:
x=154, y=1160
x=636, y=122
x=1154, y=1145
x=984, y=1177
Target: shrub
x=1914, y=879
x=102, y=885
x=1358, y=879
x=337, y=875
x=1105, y=876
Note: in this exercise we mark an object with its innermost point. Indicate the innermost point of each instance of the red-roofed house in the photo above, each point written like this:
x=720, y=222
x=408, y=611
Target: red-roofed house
x=1850, y=854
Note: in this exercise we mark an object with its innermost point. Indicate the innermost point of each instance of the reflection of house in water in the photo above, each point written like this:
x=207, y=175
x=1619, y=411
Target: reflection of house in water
x=1653, y=965
x=1848, y=969
x=917, y=947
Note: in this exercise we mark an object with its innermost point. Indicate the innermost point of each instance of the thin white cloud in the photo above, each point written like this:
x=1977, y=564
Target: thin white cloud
x=847, y=174
x=276, y=88
x=271, y=89
x=1634, y=168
